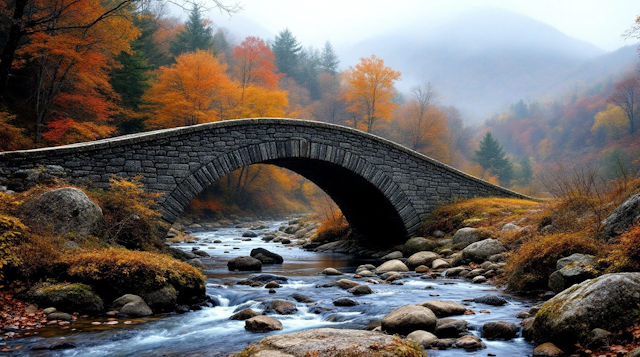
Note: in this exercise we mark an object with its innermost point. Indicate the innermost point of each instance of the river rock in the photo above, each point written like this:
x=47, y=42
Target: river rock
x=244, y=314
x=490, y=300
x=499, y=330
x=244, y=264
x=346, y=284
x=469, y=343
x=331, y=342
x=623, y=217
x=331, y=271
x=424, y=339
x=440, y=264
x=196, y=263
x=465, y=236
x=64, y=210
x=393, y=255
x=68, y=297
x=419, y=244
x=409, y=318
x=609, y=302
x=573, y=269
x=249, y=234
x=265, y=278
x=345, y=302
x=365, y=274
x=132, y=305
x=450, y=328
x=360, y=290
x=479, y=280
x=262, y=323
x=266, y=257
x=480, y=251
x=301, y=297
x=392, y=265
x=271, y=285
x=282, y=307
x=60, y=316
x=420, y=258
x=547, y=350
x=162, y=300
x=450, y=273
x=444, y=308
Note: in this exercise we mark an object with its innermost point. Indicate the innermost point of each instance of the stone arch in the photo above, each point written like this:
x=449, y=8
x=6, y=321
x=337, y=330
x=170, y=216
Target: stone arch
x=372, y=202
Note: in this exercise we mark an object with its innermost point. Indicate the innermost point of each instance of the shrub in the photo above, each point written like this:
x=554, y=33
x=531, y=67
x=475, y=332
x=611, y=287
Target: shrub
x=333, y=227
x=529, y=267
x=115, y=272
x=625, y=253
x=10, y=230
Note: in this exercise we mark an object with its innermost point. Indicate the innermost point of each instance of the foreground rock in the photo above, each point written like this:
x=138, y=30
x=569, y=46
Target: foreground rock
x=282, y=307
x=131, y=305
x=420, y=258
x=479, y=252
x=409, y=318
x=419, y=244
x=465, y=236
x=262, y=323
x=265, y=256
x=392, y=265
x=444, y=308
x=609, y=302
x=424, y=339
x=244, y=264
x=331, y=342
x=64, y=210
x=626, y=215
x=571, y=270
x=68, y=297
x=499, y=330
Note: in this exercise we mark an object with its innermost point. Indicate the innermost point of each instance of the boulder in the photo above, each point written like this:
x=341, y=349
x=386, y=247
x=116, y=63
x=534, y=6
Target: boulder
x=265, y=278
x=162, y=300
x=196, y=263
x=409, y=318
x=499, y=330
x=450, y=328
x=331, y=342
x=282, y=307
x=265, y=256
x=244, y=314
x=465, y=236
x=132, y=305
x=444, y=308
x=609, y=302
x=469, y=343
x=424, y=339
x=480, y=251
x=393, y=255
x=249, y=234
x=573, y=269
x=547, y=350
x=490, y=300
x=392, y=265
x=301, y=297
x=68, y=297
x=346, y=284
x=262, y=323
x=331, y=271
x=65, y=210
x=420, y=258
x=419, y=244
x=623, y=217
x=244, y=264
x=345, y=302
x=440, y=264
x=360, y=290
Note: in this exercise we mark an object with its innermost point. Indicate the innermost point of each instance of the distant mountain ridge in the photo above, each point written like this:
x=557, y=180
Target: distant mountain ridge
x=483, y=60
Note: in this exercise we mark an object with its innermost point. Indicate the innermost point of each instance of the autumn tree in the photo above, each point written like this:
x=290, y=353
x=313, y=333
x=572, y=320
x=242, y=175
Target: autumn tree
x=491, y=157
x=330, y=108
x=627, y=96
x=370, y=89
x=254, y=64
x=613, y=121
x=195, y=90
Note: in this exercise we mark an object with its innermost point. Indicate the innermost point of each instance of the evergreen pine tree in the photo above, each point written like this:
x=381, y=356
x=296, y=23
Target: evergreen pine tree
x=197, y=35
x=329, y=60
x=309, y=69
x=491, y=157
x=286, y=50
x=525, y=174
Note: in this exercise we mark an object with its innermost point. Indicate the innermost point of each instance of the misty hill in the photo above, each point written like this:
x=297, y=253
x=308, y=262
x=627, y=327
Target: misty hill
x=482, y=61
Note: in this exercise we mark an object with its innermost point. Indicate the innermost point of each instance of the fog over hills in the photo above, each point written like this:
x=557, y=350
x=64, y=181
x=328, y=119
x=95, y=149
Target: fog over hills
x=483, y=60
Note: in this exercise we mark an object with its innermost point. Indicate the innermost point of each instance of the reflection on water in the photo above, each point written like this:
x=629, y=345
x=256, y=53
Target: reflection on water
x=209, y=332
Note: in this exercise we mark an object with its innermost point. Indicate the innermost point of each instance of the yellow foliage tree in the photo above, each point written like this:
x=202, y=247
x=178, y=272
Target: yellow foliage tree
x=370, y=88
x=195, y=90
x=261, y=102
x=613, y=121
x=424, y=131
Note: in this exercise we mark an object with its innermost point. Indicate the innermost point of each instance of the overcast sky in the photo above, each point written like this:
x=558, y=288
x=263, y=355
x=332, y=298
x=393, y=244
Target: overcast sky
x=346, y=22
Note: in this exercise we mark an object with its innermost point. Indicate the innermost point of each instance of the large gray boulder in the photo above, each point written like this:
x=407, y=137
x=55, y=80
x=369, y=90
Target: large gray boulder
x=573, y=269
x=479, y=252
x=409, y=318
x=419, y=244
x=609, y=302
x=623, y=217
x=420, y=258
x=331, y=342
x=244, y=264
x=132, y=305
x=265, y=256
x=465, y=236
x=65, y=210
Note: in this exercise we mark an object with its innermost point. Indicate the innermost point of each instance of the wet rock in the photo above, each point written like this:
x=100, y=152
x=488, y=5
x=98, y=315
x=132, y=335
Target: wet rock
x=265, y=278
x=200, y=253
x=266, y=257
x=419, y=244
x=301, y=298
x=548, y=350
x=450, y=328
x=162, y=300
x=444, y=308
x=420, y=258
x=132, y=305
x=480, y=251
x=68, y=297
x=422, y=269
x=366, y=274
x=392, y=255
x=409, y=318
x=499, y=330
x=440, y=264
x=424, y=339
x=345, y=302
x=490, y=300
x=285, y=241
x=392, y=265
x=249, y=234
x=244, y=264
x=58, y=345
x=62, y=316
x=598, y=338
x=244, y=314
x=465, y=236
x=369, y=267
x=360, y=290
x=331, y=271
x=271, y=285
x=262, y=324
x=444, y=343
x=346, y=284
x=282, y=307
x=469, y=343
x=479, y=280
x=196, y=263
x=453, y=272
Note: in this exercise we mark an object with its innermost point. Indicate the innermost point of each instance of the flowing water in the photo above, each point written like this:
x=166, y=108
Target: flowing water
x=209, y=332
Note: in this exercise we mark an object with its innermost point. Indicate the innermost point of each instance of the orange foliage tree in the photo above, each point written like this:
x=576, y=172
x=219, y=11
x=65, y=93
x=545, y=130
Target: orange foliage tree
x=370, y=88
x=195, y=90
x=73, y=98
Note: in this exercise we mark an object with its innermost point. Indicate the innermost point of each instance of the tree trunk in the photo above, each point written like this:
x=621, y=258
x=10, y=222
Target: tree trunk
x=9, y=51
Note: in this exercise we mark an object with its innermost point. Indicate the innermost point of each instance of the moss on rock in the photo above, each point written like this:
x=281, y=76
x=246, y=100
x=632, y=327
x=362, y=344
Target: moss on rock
x=68, y=298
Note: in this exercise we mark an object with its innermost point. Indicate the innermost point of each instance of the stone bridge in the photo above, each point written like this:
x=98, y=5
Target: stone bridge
x=382, y=188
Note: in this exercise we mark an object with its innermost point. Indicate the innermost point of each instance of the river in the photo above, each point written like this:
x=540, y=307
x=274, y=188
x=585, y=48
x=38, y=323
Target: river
x=209, y=332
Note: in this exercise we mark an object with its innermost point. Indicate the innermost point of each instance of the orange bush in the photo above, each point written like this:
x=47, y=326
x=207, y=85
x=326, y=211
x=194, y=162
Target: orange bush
x=625, y=253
